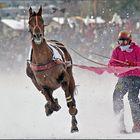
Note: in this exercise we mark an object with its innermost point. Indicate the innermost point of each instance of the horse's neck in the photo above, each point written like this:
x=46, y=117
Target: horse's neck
x=42, y=54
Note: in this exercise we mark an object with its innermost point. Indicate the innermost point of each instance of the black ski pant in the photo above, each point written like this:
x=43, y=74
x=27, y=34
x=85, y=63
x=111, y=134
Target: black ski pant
x=130, y=84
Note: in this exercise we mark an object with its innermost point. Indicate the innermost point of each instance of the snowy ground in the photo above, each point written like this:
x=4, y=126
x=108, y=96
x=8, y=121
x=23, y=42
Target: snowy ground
x=22, y=109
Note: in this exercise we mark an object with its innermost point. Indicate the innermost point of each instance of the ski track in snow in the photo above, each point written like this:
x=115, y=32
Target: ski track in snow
x=23, y=113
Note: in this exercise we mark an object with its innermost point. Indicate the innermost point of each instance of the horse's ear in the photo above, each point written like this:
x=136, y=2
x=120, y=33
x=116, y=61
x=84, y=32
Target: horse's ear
x=40, y=11
x=30, y=11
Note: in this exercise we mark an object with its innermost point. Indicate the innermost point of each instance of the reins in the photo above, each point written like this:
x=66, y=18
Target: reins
x=88, y=58
x=98, y=55
x=110, y=58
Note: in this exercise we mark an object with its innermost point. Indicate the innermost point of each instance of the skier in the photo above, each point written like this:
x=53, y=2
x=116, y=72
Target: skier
x=128, y=55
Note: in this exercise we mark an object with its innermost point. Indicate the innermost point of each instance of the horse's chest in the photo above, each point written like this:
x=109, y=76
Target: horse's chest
x=39, y=57
x=49, y=77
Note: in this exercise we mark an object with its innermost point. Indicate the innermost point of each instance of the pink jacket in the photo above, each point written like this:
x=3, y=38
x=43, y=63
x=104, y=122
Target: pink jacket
x=124, y=56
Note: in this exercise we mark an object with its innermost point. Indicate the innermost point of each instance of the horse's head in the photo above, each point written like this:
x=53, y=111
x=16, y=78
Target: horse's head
x=36, y=25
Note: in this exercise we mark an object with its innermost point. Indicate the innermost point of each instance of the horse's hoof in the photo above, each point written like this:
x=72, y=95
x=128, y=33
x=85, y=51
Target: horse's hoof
x=55, y=106
x=73, y=111
x=74, y=129
x=48, y=111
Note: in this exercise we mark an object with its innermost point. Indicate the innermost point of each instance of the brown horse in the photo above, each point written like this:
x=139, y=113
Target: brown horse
x=50, y=67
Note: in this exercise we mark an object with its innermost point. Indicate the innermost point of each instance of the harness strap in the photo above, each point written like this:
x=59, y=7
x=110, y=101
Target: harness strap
x=57, y=52
x=47, y=66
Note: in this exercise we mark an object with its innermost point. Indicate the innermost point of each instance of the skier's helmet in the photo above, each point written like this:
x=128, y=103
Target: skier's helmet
x=124, y=38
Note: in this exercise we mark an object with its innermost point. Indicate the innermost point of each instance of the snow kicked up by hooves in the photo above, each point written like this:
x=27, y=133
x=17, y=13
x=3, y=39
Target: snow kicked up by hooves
x=23, y=113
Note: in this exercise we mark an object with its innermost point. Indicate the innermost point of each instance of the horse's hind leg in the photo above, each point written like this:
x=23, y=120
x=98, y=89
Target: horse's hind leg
x=72, y=111
x=74, y=127
x=52, y=104
x=69, y=87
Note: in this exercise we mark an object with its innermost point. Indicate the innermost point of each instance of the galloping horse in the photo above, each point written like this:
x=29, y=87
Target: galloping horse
x=50, y=67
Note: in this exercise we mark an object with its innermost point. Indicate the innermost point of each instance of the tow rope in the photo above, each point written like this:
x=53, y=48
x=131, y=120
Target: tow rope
x=100, y=70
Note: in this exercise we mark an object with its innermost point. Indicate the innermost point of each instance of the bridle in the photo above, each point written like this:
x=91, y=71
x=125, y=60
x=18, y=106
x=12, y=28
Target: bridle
x=32, y=28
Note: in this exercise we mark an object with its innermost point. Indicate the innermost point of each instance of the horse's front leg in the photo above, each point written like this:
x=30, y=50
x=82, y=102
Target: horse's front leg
x=52, y=104
x=69, y=87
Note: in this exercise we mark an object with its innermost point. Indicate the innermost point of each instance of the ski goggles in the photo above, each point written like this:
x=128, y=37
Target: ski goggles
x=123, y=41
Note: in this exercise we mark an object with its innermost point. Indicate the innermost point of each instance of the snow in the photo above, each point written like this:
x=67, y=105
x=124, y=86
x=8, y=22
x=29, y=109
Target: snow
x=23, y=114
x=14, y=24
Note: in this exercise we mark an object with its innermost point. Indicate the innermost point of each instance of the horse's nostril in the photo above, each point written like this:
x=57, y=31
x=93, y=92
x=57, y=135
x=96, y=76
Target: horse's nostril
x=37, y=35
x=34, y=35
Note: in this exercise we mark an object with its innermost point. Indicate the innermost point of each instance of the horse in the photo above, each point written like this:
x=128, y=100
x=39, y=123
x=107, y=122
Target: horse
x=50, y=67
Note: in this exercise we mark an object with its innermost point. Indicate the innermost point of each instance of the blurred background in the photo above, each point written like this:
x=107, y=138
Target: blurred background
x=89, y=26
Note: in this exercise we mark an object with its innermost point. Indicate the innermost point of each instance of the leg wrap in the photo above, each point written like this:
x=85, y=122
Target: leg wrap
x=70, y=101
